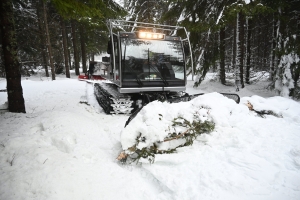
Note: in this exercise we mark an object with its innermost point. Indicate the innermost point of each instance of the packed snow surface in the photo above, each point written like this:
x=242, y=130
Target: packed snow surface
x=63, y=149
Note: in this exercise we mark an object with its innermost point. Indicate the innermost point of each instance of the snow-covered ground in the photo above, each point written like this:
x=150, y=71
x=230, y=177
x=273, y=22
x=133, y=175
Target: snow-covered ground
x=62, y=149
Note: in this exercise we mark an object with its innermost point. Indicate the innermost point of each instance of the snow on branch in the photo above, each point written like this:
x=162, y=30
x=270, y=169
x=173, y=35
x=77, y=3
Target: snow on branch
x=284, y=80
x=262, y=113
x=181, y=132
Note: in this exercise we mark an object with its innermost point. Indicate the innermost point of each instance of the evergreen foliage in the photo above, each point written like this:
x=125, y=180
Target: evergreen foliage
x=271, y=34
x=192, y=129
x=149, y=11
x=262, y=113
x=267, y=25
x=31, y=35
x=43, y=35
x=87, y=9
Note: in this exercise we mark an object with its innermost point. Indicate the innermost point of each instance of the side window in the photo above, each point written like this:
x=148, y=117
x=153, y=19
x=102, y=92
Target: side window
x=117, y=67
x=113, y=49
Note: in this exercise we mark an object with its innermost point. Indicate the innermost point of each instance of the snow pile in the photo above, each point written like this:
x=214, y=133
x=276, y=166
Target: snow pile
x=248, y=156
x=154, y=121
x=62, y=149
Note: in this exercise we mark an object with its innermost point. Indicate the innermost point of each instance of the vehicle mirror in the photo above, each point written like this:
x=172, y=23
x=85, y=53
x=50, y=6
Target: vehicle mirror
x=186, y=48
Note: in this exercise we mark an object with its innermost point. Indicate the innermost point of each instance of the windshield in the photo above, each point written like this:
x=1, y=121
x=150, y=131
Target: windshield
x=152, y=60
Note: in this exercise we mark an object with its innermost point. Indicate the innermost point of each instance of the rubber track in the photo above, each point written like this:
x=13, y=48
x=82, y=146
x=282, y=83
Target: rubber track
x=111, y=100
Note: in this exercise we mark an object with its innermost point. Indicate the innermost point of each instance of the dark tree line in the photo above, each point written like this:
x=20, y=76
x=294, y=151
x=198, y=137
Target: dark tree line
x=235, y=38
x=57, y=35
x=243, y=37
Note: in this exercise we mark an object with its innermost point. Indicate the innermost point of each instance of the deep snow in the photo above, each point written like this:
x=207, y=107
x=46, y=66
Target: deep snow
x=63, y=149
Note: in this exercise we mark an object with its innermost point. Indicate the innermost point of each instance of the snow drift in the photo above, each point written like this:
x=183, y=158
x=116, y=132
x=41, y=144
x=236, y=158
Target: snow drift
x=62, y=149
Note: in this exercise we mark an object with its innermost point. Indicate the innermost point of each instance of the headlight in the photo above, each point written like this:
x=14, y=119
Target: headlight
x=153, y=36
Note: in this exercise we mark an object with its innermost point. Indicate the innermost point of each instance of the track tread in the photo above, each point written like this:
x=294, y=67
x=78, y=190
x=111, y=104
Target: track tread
x=111, y=100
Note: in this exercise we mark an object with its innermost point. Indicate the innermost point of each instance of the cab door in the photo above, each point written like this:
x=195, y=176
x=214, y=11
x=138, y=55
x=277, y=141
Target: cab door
x=114, y=50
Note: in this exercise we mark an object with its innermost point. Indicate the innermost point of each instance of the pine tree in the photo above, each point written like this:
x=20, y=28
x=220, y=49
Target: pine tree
x=42, y=37
x=285, y=55
x=240, y=49
x=222, y=56
x=83, y=15
x=148, y=11
x=48, y=41
x=248, y=53
x=284, y=81
x=66, y=54
x=75, y=47
x=11, y=61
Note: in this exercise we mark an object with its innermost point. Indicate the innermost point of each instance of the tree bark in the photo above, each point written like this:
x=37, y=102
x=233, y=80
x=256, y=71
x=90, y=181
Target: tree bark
x=42, y=37
x=233, y=63
x=273, y=50
x=48, y=43
x=12, y=66
x=69, y=52
x=64, y=39
x=248, y=56
x=75, y=47
x=83, y=48
x=240, y=48
x=222, y=56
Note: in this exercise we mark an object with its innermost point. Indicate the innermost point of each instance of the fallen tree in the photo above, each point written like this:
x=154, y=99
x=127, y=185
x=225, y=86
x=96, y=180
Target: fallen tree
x=181, y=133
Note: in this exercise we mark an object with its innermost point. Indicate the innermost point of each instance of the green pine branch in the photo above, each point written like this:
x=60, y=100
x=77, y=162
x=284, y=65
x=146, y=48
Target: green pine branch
x=193, y=130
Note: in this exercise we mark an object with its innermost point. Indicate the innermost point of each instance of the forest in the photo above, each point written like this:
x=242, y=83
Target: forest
x=234, y=38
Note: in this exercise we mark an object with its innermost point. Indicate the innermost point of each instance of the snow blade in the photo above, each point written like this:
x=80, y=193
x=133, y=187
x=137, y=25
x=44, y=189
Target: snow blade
x=232, y=96
x=132, y=116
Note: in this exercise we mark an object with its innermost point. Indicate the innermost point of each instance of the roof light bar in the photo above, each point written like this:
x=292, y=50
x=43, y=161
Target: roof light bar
x=149, y=35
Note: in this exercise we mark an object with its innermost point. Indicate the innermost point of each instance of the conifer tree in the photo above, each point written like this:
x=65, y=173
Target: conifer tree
x=10, y=57
x=286, y=46
x=148, y=11
x=81, y=14
x=64, y=39
x=75, y=46
x=48, y=41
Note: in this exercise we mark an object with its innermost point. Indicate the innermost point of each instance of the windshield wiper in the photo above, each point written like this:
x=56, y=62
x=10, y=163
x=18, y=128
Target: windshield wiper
x=136, y=78
x=140, y=83
x=156, y=70
x=159, y=74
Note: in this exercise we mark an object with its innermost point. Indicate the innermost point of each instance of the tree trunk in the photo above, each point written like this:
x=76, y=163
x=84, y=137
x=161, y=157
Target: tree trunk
x=83, y=48
x=274, y=57
x=64, y=39
x=42, y=37
x=69, y=52
x=75, y=47
x=222, y=56
x=12, y=67
x=240, y=49
x=48, y=41
x=248, y=56
x=233, y=56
